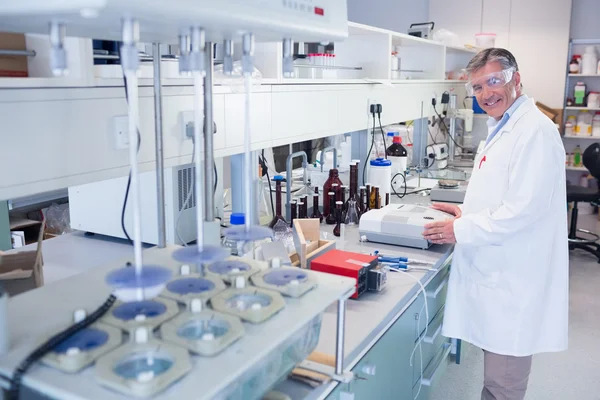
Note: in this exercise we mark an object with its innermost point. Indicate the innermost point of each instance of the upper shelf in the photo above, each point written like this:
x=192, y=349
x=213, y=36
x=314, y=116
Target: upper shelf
x=585, y=75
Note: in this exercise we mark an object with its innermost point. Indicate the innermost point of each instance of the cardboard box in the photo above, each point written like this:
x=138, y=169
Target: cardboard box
x=22, y=271
x=13, y=66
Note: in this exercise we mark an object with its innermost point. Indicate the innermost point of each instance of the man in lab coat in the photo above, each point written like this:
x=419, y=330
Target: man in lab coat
x=508, y=287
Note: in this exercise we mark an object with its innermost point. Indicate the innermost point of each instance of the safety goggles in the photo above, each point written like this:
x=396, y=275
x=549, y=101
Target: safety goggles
x=491, y=81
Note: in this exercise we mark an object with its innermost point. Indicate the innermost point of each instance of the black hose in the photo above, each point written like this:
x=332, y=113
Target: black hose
x=46, y=347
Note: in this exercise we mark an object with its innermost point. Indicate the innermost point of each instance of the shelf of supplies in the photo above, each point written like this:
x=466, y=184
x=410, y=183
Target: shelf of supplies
x=585, y=75
x=581, y=137
x=585, y=41
x=582, y=108
x=582, y=169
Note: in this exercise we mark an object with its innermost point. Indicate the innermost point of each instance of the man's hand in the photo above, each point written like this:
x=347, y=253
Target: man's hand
x=440, y=232
x=448, y=208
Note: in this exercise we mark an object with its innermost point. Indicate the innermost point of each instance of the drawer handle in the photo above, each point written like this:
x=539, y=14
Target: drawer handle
x=434, y=294
x=427, y=381
x=431, y=339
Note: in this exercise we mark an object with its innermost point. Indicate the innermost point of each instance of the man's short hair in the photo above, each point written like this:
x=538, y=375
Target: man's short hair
x=503, y=56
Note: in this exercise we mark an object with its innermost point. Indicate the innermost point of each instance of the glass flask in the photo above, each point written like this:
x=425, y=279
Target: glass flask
x=278, y=214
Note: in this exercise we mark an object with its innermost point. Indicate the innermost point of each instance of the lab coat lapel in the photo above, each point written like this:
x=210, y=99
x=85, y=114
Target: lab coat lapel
x=520, y=112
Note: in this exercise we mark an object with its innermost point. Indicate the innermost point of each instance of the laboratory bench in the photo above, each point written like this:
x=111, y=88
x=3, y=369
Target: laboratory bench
x=382, y=328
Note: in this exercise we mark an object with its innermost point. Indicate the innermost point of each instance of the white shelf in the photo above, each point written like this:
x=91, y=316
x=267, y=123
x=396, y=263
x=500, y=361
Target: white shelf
x=585, y=75
x=461, y=50
x=582, y=108
x=581, y=137
x=582, y=169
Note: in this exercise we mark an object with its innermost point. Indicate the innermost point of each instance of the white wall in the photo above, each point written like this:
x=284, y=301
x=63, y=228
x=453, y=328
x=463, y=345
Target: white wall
x=585, y=19
x=396, y=15
x=535, y=31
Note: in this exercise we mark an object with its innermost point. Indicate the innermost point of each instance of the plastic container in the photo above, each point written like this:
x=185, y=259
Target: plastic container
x=380, y=175
x=236, y=248
x=577, y=156
x=593, y=100
x=398, y=155
x=596, y=125
x=378, y=150
x=346, y=150
x=589, y=61
x=569, y=129
x=579, y=93
x=584, y=123
x=485, y=40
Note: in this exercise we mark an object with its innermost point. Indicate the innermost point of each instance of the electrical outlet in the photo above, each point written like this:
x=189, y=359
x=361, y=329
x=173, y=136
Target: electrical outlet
x=121, y=132
x=186, y=124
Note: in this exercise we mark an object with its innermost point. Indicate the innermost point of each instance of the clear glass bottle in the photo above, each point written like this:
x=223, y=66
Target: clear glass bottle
x=278, y=214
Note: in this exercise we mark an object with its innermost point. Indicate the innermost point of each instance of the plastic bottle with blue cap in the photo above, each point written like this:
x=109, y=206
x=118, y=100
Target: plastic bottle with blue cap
x=236, y=219
x=380, y=175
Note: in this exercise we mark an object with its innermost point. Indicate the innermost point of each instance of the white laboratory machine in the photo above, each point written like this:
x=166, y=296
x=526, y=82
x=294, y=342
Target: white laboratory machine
x=239, y=339
x=449, y=191
x=399, y=224
x=96, y=207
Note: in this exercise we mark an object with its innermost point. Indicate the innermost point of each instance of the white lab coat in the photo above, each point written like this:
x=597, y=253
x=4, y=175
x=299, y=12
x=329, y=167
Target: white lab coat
x=508, y=287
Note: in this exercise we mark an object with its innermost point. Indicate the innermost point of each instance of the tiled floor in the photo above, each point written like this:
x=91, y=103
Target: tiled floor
x=573, y=374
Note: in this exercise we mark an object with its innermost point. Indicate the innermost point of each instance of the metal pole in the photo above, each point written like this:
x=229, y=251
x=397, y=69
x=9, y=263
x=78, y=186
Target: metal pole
x=158, y=131
x=452, y=133
x=209, y=178
x=339, y=342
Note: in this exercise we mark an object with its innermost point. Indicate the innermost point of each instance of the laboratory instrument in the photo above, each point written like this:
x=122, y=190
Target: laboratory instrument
x=126, y=370
x=345, y=263
x=377, y=279
x=251, y=304
x=179, y=213
x=231, y=268
x=143, y=367
x=421, y=29
x=465, y=114
x=85, y=347
x=189, y=286
x=289, y=281
x=293, y=211
x=440, y=156
x=202, y=331
x=449, y=191
x=400, y=224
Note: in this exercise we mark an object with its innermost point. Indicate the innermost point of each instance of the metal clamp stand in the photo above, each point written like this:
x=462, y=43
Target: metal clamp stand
x=327, y=150
x=288, y=178
x=336, y=373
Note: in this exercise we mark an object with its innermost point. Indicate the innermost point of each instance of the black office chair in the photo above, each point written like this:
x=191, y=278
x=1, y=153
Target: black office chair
x=577, y=194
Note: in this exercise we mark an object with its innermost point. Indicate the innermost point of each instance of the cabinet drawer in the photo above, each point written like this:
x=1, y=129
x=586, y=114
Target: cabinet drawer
x=429, y=346
x=434, y=371
x=436, y=298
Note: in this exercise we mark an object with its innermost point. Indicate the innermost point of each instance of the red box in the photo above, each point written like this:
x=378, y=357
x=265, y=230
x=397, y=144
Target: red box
x=346, y=263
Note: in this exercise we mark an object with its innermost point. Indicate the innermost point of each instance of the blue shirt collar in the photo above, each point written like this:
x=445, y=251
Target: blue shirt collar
x=508, y=113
